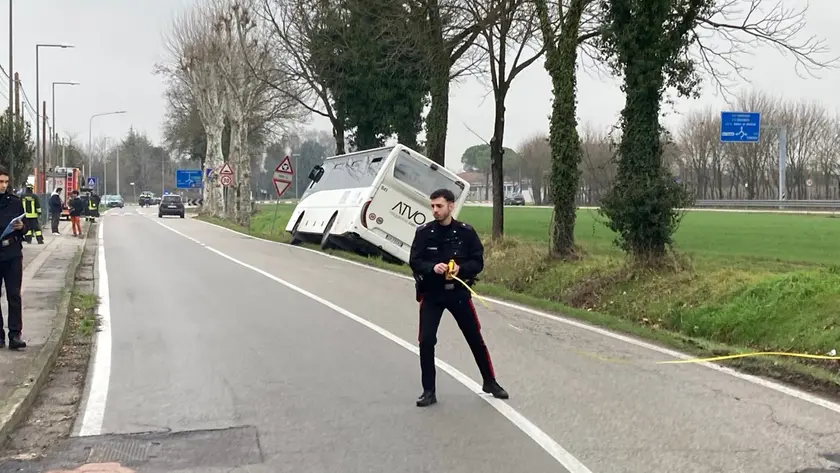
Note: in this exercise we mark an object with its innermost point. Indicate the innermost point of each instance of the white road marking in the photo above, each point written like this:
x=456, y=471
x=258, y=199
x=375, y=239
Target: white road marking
x=100, y=380
x=796, y=393
x=516, y=328
x=526, y=426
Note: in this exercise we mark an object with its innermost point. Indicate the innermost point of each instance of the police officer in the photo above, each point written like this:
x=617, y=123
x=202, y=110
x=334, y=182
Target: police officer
x=32, y=211
x=435, y=245
x=11, y=260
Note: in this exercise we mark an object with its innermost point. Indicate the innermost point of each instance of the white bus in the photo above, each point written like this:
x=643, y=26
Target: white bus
x=372, y=201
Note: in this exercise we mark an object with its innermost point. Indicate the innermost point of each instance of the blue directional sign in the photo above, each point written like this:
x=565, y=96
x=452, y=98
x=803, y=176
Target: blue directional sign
x=188, y=178
x=91, y=181
x=740, y=127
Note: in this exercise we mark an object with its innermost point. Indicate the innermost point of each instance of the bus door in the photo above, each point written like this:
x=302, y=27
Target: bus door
x=401, y=203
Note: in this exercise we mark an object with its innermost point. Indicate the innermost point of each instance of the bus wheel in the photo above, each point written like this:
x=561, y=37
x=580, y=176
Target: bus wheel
x=326, y=244
x=296, y=240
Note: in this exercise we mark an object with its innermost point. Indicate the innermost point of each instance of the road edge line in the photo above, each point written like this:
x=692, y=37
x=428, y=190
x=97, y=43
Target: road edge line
x=759, y=381
x=20, y=400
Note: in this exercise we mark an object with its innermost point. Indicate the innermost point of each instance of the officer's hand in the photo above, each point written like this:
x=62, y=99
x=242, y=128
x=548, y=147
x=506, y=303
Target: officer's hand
x=455, y=269
x=18, y=225
x=441, y=268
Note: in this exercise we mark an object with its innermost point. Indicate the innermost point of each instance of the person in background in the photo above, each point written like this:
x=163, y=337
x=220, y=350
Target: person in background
x=93, y=206
x=32, y=211
x=55, y=206
x=11, y=261
x=77, y=207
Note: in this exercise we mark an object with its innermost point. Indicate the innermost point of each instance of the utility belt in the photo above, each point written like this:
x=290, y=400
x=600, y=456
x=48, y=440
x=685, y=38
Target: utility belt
x=423, y=286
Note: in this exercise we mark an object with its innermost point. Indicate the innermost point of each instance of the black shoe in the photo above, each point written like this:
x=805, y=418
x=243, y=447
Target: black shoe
x=41, y=241
x=492, y=387
x=15, y=343
x=427, y=399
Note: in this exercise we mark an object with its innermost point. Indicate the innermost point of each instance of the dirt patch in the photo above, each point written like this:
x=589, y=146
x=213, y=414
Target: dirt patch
x=54, y=412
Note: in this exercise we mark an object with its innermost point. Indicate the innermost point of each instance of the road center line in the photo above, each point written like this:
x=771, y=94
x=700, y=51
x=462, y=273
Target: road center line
x=100, y=380
x=526, y=426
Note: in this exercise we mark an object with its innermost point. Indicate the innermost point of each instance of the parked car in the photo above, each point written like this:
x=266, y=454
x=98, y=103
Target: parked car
x=171, y=205
x=517, y=199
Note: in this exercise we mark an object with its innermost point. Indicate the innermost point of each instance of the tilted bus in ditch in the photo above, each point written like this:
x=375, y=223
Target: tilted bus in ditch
x=372, y=201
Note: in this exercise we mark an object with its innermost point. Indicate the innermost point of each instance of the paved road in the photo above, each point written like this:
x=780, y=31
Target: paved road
x=214, y=330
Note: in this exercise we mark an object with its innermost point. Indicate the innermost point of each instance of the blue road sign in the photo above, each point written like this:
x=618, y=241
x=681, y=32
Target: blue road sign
x=188, y=178
x=740, y=127
x=91, y=182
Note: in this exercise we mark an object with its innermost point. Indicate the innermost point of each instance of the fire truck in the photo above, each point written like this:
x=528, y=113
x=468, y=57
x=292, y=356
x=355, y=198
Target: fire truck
x=68, y=179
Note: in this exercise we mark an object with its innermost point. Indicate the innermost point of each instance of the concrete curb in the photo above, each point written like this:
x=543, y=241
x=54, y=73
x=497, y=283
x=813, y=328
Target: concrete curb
x=21, y=399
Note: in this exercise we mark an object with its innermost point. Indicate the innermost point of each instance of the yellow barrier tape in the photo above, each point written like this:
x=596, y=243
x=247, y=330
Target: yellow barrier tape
x=450, y=268
x=749, y=355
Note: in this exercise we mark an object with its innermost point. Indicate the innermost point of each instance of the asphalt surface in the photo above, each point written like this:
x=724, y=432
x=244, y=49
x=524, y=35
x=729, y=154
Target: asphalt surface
x=201, y=342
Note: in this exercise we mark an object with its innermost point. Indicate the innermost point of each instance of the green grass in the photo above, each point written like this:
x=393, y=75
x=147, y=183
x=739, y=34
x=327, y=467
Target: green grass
x=767, y=282
x=83, y=306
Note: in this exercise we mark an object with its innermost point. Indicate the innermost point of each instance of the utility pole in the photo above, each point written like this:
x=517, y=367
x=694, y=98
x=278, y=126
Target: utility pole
x=11, y=91
x=17, y=95
x=43, y=145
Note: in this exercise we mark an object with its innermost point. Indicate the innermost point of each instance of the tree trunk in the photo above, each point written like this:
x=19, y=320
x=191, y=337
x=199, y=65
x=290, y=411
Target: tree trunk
x=235, y=159
x=213, y=199
x=243, y=179
x=438, y=118
x=564, y=140
x=497, y=164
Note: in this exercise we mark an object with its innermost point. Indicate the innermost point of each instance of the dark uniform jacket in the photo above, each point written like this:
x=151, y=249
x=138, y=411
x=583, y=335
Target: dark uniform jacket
x=11, y=246
x=77, y=207
x=435, y=243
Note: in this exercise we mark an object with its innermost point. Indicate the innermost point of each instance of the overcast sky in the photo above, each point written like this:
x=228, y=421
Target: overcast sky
x=117, y=43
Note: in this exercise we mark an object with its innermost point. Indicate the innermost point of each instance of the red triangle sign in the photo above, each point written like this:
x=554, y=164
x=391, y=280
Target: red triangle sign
x=226, y=169
x=281, y=186
x=285, y=167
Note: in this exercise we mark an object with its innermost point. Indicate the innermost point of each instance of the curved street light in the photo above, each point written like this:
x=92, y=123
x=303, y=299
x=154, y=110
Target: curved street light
x=90, y=137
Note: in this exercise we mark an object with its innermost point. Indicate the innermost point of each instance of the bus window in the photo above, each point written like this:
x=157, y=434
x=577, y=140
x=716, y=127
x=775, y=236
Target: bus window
x=420, y=176
x=350, y=171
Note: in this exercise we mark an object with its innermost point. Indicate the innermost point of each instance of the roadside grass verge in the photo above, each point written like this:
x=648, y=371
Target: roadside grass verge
x=739, y=283
x=83, y=306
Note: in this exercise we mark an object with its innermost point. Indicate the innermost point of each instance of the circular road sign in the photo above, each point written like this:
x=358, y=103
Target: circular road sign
x=226, y=180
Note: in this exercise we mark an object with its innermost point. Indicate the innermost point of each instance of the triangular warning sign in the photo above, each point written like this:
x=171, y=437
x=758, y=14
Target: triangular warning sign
x=285, y=166
x=226, y=169
x=280, y=186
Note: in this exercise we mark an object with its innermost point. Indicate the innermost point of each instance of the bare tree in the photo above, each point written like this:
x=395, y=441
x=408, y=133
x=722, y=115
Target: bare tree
x=536, y=159
x=289, y=31
x=195, y=57
x=508, y=43
x=448, y=30
x=735, y=28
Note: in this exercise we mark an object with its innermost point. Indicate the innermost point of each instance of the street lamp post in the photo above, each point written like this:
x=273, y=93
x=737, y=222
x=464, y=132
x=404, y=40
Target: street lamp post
x=90, y=137
x=55, y=127
x=38, y=150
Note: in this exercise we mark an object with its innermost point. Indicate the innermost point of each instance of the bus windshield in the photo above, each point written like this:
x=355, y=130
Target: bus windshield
x=418, y=175
x=350, y=171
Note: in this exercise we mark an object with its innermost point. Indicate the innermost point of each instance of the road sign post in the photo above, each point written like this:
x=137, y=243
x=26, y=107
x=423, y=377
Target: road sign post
x=283, y=175
x=188, y=178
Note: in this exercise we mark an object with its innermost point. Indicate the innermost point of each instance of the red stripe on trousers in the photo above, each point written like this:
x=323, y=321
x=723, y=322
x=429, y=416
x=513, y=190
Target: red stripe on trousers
x=478, y=326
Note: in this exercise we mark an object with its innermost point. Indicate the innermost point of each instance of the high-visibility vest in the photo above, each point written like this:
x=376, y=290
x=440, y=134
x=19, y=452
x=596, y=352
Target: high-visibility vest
x=91, y=203
x=30, y=208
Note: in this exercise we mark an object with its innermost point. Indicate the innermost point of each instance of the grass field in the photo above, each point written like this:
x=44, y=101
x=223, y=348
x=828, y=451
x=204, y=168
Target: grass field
x=768, y=282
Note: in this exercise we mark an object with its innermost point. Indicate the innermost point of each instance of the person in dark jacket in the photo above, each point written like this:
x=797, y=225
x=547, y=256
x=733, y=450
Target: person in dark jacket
x=11, y=261
x=55, y=207
x=77, y=208
x=438, y=246
x=32, y=209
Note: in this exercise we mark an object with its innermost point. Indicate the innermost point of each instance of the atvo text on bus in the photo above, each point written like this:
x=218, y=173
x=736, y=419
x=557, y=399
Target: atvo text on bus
x=405, y=210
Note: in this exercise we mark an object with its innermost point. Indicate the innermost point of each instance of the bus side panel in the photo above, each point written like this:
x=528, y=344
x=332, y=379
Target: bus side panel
x=318, y=209
x=395, y=213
